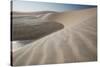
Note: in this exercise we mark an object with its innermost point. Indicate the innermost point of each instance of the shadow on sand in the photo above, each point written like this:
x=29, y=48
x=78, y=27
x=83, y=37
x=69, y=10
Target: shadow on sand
x=34, y=32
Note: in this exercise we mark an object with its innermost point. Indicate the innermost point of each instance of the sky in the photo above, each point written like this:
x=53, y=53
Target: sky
x=32, y=6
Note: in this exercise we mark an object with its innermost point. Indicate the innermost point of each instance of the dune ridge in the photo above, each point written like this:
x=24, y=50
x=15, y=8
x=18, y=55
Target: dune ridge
x=76, y=42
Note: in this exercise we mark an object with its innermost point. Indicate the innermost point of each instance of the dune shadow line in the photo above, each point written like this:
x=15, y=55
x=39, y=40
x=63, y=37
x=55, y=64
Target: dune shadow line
x=34, y=32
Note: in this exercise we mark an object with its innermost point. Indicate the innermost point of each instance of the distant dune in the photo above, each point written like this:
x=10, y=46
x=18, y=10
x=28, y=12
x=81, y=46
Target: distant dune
x=76, y=42
x=31, y=26
x=32, y=13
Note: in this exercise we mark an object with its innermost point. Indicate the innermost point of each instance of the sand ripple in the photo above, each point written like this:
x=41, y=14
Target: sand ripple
x=74, y=43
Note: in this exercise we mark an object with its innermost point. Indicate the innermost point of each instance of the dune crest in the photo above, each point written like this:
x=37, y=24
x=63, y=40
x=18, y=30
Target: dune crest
x=76, y=42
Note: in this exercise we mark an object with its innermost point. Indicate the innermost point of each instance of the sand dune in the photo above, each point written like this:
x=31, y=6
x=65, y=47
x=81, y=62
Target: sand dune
x=32, y=26
x=76, y=42
x=33, y=32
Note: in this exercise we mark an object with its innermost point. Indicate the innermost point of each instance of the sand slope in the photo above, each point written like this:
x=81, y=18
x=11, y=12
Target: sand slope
x=74, y=43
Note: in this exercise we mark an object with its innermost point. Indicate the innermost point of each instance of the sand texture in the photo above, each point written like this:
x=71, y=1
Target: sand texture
x=72, y=38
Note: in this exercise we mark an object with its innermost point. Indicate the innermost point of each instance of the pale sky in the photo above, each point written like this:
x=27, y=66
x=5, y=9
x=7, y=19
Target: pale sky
x=31, y=6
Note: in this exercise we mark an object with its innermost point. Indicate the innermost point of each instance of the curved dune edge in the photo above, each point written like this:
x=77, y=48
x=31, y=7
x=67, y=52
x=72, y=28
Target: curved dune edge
x=75, y=43
x=34, y=32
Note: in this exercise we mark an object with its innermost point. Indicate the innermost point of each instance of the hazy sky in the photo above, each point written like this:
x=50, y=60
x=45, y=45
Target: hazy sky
x=29, y=6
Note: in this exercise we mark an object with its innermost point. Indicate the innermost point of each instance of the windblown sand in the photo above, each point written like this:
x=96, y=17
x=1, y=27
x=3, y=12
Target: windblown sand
x=76, y=42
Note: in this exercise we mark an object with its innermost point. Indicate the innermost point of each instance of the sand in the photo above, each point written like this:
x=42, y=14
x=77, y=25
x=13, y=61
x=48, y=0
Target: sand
x=76, y=42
